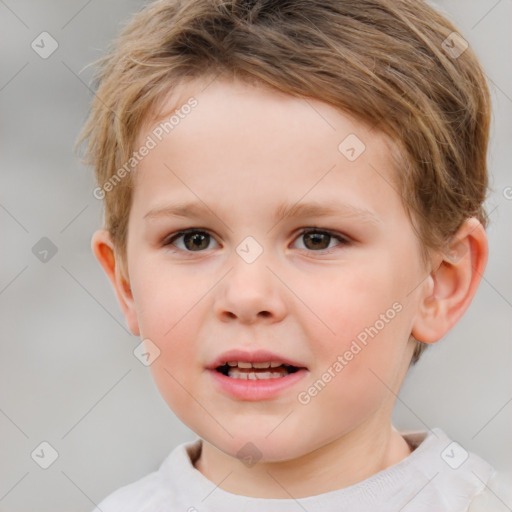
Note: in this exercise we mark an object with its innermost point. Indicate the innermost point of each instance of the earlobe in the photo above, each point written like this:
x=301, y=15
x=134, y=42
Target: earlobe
x=103, y=249
x=450, y=288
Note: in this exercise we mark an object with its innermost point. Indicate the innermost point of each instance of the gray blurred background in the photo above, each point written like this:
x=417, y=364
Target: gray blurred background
x=68, y=376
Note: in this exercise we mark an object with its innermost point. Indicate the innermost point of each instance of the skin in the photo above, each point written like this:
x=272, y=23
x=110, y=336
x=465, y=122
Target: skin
x=242, y=151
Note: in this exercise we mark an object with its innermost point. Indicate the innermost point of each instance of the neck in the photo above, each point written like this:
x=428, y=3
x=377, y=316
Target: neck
x=340, y=463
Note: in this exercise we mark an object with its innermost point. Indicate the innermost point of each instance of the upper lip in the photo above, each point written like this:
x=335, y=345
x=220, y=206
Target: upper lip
x=258, y=356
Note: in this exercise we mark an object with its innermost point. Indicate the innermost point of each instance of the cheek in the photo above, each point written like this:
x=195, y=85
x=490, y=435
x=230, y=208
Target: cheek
x=177, y=368
x=363, y=327
x=347, y=301
x=168, y=313
x=354, y=375
x=164, y=300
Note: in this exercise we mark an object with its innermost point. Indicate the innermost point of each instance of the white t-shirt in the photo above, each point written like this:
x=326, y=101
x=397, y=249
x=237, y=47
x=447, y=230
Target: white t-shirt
x=438, y=476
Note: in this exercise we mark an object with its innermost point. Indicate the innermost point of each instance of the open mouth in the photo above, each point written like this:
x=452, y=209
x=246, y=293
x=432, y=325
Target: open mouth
x=256, y=371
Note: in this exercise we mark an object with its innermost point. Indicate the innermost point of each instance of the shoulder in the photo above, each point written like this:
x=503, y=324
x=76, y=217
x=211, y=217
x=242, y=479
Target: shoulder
x=453, y=478
x=496, y=496
x=161, y=490
x=136, y=496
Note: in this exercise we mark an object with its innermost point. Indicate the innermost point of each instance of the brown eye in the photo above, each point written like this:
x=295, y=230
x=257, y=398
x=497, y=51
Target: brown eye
x=196, y=241
x=318, y=240
x=193, y=240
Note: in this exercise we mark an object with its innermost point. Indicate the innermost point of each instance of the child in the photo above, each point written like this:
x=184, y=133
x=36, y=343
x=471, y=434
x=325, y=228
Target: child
x=293, y=194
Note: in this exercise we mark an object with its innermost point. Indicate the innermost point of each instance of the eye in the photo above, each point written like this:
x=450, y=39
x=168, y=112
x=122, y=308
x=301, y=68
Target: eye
x=197, y=240
x=194, y=240
x=320, y=240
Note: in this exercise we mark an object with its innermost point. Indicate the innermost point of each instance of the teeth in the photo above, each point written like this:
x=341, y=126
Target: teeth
x=243, y=364
x=235, y=374
x=260, y=365
x=242, y=370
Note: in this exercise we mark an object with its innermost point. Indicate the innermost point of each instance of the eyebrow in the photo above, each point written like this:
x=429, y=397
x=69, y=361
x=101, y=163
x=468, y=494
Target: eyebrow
x=298, y=210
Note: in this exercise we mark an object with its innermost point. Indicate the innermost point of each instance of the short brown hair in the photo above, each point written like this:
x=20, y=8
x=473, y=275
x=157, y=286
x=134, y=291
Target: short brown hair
x=398, y=65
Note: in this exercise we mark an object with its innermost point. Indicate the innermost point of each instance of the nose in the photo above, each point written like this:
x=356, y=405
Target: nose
x=250, y=292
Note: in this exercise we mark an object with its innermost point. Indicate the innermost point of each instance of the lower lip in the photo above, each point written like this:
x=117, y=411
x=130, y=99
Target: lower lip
x=255, y=390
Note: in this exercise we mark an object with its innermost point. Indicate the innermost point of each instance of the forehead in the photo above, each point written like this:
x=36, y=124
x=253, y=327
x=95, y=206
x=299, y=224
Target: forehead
x=259, y=142
x=244, y=107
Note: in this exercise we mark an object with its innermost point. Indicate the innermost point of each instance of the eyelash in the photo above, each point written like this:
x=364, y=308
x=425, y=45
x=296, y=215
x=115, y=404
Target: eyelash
x=343, y=241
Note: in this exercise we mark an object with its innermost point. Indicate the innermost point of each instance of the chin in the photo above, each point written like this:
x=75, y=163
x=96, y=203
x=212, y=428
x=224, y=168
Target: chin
x=251, y=448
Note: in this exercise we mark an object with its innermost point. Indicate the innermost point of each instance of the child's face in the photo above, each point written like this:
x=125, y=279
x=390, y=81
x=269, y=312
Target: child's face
x=239, y=155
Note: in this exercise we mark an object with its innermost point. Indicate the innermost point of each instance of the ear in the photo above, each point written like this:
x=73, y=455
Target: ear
x=450, y=289
x=104, y=251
